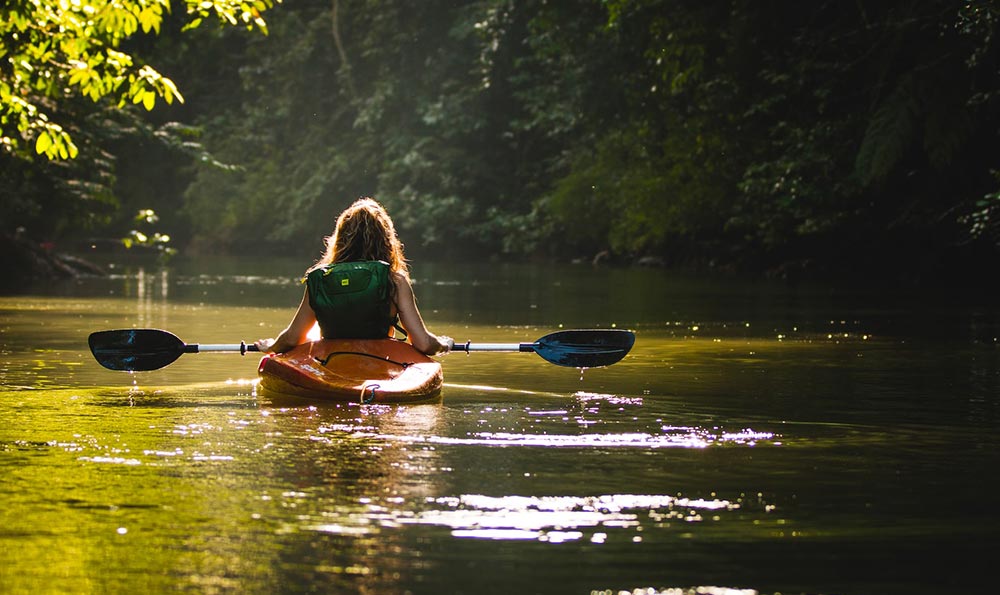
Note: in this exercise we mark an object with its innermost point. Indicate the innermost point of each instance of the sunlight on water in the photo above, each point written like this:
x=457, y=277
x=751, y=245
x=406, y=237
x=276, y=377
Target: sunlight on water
x=236, y=280
x=111, y=460
x=586, y=398
x=551, y=519
x=680, y=591
x=498, y=389
x=673, y=437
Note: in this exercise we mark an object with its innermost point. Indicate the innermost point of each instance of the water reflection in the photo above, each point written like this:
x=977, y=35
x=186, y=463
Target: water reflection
x=232, y=489
x=672, y=437
x=585, y=411
x=700, y=590
x=747, y=441
x=557, y=519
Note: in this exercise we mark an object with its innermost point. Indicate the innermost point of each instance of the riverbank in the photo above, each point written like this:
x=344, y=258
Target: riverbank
x=24, y=261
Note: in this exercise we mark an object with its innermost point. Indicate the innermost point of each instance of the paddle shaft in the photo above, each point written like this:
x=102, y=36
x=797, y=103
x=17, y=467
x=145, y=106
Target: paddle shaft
x=469, y=347
x=200, y=348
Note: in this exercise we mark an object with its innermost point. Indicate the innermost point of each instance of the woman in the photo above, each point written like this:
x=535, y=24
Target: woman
x=360, y=288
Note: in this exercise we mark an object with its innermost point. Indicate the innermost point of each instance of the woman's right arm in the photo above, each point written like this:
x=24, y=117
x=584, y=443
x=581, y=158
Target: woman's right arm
x=409, y=317
x=295, y=333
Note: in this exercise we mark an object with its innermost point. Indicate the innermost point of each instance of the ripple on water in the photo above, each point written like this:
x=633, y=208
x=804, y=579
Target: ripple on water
x=550, y=519
x=700, y=590
x=672, y=437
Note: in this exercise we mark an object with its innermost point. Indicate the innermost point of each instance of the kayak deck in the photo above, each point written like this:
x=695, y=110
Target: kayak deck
x=353, y=370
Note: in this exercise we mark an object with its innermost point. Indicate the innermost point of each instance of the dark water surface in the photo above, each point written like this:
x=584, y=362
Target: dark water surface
x=760, y=438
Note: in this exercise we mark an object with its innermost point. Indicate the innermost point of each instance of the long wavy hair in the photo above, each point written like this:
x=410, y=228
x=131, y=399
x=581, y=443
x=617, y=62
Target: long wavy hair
x=365, y=231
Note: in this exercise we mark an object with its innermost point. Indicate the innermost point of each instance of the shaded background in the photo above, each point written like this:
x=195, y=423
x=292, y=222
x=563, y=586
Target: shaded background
x=784, y=138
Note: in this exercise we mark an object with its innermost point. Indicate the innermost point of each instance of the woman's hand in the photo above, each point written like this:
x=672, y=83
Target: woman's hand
x=296, y=333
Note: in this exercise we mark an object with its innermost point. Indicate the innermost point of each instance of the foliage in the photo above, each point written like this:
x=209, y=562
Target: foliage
x=984, y=218
x=393, y=124
x=53, y=51
x=152, y=240
x=69, y=79
x=737, y=134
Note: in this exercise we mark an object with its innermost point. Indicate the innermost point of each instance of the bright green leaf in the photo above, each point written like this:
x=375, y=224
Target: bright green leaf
x=43, y=143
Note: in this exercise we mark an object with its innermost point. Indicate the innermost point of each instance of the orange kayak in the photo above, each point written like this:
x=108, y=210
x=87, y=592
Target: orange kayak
x=352, y=370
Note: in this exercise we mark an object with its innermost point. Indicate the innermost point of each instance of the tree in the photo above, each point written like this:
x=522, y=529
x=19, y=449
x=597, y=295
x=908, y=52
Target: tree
x=52, y=53
x=757, y=135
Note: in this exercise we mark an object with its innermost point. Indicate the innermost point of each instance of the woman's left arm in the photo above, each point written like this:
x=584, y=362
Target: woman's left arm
x=297, y=331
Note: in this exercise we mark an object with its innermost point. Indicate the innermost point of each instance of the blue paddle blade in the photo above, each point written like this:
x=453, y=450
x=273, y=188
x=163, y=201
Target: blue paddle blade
x=584, y=348
x=135, y=350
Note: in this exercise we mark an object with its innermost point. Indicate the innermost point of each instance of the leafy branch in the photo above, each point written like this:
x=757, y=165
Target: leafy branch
x=53, y=52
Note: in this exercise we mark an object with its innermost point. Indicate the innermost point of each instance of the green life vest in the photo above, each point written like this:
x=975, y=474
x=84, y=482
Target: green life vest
x=352, y=299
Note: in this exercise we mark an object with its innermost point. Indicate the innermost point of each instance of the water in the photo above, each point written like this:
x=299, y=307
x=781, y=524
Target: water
x=760, y=438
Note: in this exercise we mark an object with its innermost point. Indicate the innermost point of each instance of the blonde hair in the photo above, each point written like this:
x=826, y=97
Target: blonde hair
x=365, y=231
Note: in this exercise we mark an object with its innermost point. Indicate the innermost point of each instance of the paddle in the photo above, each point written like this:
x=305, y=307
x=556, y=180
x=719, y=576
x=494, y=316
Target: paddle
x=142, y=349
x=139, y=350
x=574, y=349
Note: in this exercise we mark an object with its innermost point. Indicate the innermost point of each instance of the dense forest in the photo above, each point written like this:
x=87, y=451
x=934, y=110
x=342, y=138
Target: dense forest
x=763, y=136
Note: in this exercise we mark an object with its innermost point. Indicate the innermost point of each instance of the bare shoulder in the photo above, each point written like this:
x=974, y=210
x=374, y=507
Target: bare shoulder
x=400, y=280
x=403, y=288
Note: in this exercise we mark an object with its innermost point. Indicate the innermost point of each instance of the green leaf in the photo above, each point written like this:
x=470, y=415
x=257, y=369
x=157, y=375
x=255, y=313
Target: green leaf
x=149, y=20
x=43, y=143
x=170, y=91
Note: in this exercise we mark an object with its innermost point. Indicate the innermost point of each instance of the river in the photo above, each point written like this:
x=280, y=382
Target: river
x=761, y=437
